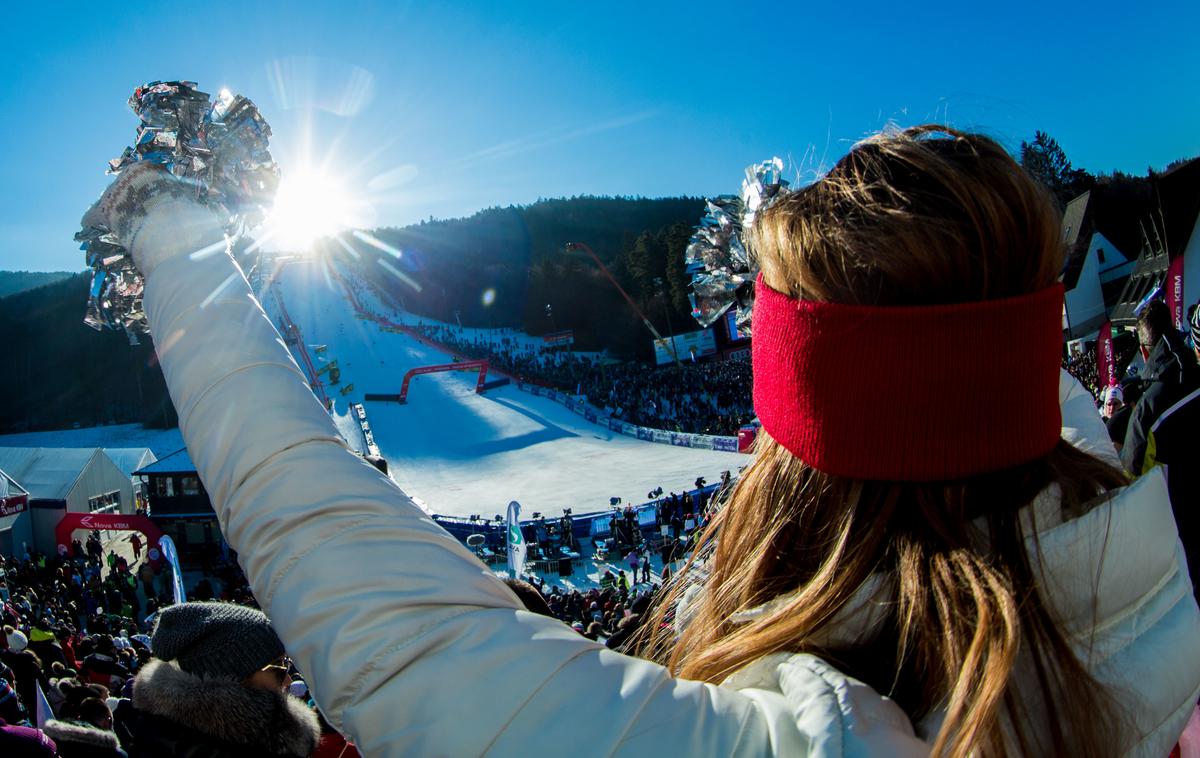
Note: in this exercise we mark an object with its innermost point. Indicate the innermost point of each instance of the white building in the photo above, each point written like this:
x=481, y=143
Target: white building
x=15, y=522
x=62, y=480
x=1092, y=272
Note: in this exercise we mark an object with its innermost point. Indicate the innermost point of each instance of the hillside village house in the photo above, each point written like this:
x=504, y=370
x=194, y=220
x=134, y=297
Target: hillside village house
x=180, y=507
x=65, y=480
x=1172, y=232
x=15, y=529
x=1095, y=271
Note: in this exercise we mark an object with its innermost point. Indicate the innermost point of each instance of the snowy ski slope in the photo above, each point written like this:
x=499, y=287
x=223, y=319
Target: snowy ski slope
x=460, y=453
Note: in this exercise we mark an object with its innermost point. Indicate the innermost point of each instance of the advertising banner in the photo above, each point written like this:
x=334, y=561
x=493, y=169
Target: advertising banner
x=727, y=444
x=616, y=425
x=1174, y=291
x=680, y=440
x=703, y=441
x=516, y=541
x=589, y=414
x=688, y=346
x=1106, y=370
x=167, y=546
x=631, y=429
x=731, y=327
x=645, y=434
x=13, y=504
x=660, y=436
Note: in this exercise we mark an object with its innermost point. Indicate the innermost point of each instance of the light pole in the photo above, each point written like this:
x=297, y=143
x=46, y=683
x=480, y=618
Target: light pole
x=584, y=247
x=658, y=284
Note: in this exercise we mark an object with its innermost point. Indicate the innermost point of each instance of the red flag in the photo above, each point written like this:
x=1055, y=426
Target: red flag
x=1174, y=290
x=1106, y=369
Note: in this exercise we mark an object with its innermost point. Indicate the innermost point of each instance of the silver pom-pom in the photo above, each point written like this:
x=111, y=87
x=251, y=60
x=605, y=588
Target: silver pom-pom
x=218, y=145
x=722, y=269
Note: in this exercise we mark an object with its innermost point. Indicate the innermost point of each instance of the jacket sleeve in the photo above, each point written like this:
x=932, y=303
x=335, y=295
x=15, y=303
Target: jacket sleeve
x=1137, y=435
x=410, y=645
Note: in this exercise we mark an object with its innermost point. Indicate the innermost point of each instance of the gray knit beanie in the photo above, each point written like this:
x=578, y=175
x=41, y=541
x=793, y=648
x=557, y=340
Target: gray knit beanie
x=216, y=639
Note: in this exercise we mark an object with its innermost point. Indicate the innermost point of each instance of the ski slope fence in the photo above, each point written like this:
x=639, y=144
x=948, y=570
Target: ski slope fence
x=292, y=334
x=576, y=403
x=593, y=524
x=579, y=404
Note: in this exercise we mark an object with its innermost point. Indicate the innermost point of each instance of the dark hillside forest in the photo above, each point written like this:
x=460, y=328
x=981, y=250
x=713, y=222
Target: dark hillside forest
x=503, y=266
x=60, y=372
x=12, y=282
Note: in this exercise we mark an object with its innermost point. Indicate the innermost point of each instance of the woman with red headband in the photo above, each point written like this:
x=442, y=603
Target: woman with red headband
x=934, y=550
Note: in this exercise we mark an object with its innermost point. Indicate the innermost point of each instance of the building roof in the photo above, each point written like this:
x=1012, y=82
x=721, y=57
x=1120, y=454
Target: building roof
x=130, y=459
x=178, y=462
x=9, y=487
x=47, y=473
x=1077, y=237
x=1179, y=204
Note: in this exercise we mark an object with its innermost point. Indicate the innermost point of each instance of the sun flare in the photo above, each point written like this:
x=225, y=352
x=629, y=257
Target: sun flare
x=310, y=204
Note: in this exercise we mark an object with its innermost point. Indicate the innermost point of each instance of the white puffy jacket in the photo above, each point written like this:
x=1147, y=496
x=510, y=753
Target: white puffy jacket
x=412, y=647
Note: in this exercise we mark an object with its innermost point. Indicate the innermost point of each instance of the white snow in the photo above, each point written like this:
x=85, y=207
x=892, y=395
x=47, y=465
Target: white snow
x=461, y=453
x=162, y=442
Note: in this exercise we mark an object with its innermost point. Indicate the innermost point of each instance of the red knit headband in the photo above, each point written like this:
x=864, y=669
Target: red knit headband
x=909, y=393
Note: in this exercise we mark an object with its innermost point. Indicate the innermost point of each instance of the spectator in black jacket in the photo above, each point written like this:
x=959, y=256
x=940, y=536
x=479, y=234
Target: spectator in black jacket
x=102, y=666
x=1170, y=375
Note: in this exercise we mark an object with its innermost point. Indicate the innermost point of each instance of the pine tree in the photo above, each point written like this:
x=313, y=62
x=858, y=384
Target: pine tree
x=1047, y=162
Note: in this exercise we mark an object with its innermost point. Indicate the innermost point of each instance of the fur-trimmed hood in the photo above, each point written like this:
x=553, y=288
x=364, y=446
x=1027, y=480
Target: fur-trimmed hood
x=272, y=722
x=80, y=734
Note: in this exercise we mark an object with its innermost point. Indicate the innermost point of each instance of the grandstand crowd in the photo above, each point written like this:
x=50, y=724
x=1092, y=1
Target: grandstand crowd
x=709, y=397
x=81, y=632
x=84, y=633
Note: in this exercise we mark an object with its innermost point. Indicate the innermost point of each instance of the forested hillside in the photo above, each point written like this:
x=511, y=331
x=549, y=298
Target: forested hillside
x=499, y=267
x=59, y=372
x=503, y=266
x=12, y=282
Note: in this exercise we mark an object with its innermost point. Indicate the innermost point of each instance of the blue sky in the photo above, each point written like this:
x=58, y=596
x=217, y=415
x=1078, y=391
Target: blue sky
x=442, y=109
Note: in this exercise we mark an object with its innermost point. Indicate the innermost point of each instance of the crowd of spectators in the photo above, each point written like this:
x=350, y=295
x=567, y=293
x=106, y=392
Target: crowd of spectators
x=1083, y=366
x=76, y=632
x=706, y=397
x=609, y=615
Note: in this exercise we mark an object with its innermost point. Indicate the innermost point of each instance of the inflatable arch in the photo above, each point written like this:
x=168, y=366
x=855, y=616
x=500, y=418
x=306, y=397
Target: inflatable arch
x=72, y=521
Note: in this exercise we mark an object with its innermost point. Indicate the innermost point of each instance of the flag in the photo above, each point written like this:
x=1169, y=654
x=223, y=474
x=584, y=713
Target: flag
x=44, y=712
x=516, y=541
x=1174, y=291
x=1106, y=370
x=1154, y=293
x=167, y=546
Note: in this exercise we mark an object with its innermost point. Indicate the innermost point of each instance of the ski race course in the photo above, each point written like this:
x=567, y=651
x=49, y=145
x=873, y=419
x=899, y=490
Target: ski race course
x=459, y=453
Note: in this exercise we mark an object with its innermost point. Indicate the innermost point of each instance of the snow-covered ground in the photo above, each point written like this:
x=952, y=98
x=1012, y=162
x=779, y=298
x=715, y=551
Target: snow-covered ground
x=162, y=442
x=461, y=453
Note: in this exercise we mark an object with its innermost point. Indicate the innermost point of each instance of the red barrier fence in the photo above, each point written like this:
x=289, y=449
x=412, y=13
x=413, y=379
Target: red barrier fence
x=292, y=332
x=460, y=366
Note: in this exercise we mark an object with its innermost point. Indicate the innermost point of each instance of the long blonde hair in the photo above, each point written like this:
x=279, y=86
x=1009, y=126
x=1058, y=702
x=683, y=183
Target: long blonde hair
x=928, y=215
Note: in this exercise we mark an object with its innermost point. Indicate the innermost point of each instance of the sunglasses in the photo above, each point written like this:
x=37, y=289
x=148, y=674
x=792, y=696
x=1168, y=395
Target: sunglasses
x=281, y=668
